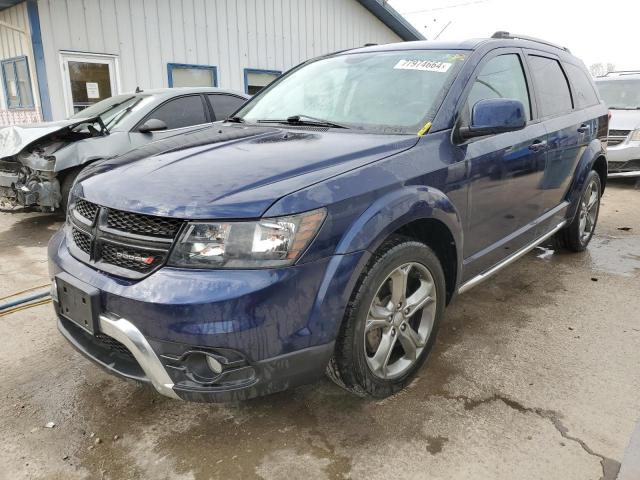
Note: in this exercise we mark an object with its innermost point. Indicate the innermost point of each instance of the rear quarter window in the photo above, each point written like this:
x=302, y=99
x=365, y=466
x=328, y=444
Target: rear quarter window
x=584, y=93
x=553, y=94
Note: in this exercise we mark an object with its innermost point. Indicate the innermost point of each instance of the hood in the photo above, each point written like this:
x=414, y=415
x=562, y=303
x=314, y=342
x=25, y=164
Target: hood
x=16, y=138
x=624, y=119
x=230, y=171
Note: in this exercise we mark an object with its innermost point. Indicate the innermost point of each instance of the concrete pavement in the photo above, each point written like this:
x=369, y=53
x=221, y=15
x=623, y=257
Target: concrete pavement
x=535, y=376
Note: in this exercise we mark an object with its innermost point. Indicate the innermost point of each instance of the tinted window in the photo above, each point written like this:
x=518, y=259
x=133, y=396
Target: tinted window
x=181, y=112
x=551, y=86
x=584, y=94
x=500, y=77
x=225, y=105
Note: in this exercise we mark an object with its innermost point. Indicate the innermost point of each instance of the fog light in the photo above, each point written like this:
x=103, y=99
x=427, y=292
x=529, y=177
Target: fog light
x=214, y=364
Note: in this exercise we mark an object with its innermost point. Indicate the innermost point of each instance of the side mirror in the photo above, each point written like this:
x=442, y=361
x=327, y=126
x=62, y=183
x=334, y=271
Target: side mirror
x=152, y=125
x=495, y=115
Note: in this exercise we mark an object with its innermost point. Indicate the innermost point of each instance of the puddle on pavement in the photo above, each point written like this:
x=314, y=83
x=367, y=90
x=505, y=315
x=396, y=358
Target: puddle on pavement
x=617, y=255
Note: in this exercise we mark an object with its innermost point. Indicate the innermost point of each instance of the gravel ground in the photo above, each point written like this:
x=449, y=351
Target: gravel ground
x=535, y=375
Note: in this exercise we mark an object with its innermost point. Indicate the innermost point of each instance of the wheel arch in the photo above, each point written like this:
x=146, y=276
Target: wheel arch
x=422, y=213
x=593, y=158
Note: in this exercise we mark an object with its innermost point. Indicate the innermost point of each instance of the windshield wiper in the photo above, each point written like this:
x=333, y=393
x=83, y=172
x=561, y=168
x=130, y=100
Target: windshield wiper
x=120, y=115
x=235, y=119
x=305, y=120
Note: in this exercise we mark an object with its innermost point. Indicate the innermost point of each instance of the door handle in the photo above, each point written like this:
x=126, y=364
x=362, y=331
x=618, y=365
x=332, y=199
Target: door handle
x=538, y=146
x=584, y=128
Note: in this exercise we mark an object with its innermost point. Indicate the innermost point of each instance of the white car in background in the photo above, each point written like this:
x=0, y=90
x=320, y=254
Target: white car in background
x=39, y=163
x=621, y=92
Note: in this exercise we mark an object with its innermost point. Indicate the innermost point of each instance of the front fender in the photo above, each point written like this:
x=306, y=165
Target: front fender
x=396, y=209
x=386, y=215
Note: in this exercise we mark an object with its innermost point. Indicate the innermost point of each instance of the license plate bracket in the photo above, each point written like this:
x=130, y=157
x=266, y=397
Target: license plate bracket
x=78, y=302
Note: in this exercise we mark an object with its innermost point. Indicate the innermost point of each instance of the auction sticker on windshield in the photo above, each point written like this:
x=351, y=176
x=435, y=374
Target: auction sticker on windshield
x=425, y=65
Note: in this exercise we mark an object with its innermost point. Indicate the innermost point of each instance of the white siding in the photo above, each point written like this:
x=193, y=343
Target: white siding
x=16, y=44
x=230, y=34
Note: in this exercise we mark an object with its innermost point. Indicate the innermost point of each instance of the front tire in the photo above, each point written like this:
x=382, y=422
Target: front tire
x=577, y=235
x=392, y=320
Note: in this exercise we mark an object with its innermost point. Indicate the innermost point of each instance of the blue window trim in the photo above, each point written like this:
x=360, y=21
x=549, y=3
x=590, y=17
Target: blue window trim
x=171, y=66
x=13, y=61
x=38, y=54
x=247, y=71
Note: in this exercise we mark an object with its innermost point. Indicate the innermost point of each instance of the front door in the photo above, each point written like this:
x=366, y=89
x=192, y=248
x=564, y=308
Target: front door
x=87, y=79
x=504, y=171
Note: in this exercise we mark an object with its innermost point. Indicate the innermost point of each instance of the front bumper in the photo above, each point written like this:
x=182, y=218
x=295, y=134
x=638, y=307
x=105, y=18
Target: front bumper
x=624, y=160
x=271, y=329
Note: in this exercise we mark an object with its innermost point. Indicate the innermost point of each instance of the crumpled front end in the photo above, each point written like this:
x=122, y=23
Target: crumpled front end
x=28, y=163
x=28, y=179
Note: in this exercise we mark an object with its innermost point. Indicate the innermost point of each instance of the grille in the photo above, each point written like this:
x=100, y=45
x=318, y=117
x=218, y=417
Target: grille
x=619, y=133
x=143, y=224
x=111, y=244
x=86, y=209
x=630, y=166
x=82, y=240
x=616, y=137
x=112, y=344
x=134, y=259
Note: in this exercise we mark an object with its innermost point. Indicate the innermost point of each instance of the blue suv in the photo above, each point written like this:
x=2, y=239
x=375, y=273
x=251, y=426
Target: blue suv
x=327, y=224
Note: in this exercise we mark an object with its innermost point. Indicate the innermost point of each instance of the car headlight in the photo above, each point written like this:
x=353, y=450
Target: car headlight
x=635, y=136
x=269, y=242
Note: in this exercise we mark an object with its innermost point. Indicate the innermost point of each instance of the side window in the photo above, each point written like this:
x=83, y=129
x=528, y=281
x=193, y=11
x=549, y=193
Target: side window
x=224, y=105
x=500, y=77
x=17, y=84
x=584, y=92
x=181, y=112
x=551, y=86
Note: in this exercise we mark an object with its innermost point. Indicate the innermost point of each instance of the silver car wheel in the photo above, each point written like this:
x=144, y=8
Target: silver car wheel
x=400, y=320
x=589, y=211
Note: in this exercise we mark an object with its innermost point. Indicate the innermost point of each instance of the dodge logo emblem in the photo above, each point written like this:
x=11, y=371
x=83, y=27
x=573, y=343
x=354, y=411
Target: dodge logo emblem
x=135, y=258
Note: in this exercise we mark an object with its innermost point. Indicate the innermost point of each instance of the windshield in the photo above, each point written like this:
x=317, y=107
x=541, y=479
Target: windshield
x=620, y=94
x=113, y=109
x=396, y=91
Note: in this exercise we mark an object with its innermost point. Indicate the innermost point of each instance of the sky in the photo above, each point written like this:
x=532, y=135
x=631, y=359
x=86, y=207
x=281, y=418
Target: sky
x=593, y=31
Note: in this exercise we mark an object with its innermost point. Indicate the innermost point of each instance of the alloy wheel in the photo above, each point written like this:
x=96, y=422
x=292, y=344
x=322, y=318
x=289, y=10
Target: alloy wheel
x=588, y=211
x=400, y=320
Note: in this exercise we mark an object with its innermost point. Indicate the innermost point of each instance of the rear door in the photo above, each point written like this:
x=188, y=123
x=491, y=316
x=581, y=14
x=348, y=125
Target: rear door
x=505, y=170
x=568, y=132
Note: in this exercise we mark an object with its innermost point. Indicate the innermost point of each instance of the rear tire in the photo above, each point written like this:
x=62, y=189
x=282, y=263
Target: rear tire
x=577, y=235
x=392, y=319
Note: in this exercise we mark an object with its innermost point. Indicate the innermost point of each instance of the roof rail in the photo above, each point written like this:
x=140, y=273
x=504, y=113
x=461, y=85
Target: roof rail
x=514, y=36
x=618, y=73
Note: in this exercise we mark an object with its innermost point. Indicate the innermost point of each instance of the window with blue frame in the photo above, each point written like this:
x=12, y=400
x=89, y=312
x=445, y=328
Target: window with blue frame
x=256, y=79
x=16, y=83
x=186, y=75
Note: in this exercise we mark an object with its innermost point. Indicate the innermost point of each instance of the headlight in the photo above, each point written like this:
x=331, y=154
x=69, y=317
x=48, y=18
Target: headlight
x=635, y=136
x=270, y=242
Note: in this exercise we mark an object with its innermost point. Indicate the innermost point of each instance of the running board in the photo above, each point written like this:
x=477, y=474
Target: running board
x=507, y=261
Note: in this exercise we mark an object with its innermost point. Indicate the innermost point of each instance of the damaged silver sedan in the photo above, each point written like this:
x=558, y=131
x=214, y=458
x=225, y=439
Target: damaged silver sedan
x=39, y=163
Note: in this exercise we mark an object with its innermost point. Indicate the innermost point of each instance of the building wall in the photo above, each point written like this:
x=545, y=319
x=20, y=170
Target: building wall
x=230, y=34
x=15, y=44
